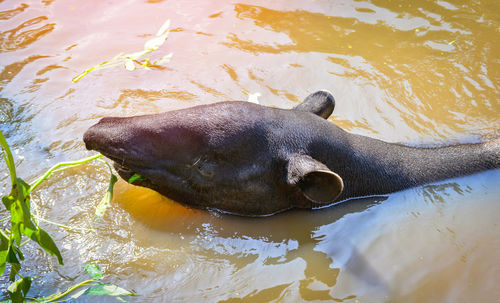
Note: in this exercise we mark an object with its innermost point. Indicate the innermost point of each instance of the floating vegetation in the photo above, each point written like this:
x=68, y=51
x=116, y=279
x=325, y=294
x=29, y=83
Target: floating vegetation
x=108, y=197
x=23, y=224
x=135, y=177
x=135, y=60
x=90, y=287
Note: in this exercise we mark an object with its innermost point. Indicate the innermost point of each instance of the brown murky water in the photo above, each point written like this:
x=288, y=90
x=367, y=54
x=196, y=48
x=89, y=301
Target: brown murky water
x=418, y=72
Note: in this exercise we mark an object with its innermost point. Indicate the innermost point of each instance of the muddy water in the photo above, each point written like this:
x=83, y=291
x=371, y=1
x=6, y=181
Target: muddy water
x=423, y=73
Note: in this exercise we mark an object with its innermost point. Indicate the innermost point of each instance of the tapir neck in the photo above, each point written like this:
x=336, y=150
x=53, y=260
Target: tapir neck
x=389, y=167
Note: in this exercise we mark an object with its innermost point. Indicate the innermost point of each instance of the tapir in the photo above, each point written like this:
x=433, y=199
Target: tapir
x=243, y=158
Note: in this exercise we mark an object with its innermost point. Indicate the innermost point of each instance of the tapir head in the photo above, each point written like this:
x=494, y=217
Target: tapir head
x=237, y=157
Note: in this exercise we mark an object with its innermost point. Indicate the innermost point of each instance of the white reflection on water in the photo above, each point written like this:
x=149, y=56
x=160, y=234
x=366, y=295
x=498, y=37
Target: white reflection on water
x=437, y=236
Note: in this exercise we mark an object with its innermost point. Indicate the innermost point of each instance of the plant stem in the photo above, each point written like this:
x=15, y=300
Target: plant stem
x=58, y=166
x=3, y=234
x=68, y=291
x=62, y=226
x=24, y=243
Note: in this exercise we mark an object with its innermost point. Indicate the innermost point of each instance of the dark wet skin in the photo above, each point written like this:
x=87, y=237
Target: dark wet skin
x=247, y=159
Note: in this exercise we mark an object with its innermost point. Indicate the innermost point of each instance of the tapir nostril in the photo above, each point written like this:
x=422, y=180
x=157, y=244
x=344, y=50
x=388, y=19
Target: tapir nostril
x=100, y=134
x=97, y=135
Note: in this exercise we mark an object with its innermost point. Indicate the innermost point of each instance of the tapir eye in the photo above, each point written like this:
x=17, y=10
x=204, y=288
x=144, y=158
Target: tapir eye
x=204, y=168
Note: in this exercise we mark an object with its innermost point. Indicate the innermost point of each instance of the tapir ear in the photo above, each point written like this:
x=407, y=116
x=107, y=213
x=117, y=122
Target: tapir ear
x=320, y=103
x=316, y=181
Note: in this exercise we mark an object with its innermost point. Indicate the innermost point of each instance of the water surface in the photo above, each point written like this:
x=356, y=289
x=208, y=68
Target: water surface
x=425, y=73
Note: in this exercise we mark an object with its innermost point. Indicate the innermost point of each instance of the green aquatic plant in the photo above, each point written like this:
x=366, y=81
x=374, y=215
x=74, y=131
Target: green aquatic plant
x=23, y=224
x=90, y=287
x=134, y=60
x=135, y=177
x=106, y=200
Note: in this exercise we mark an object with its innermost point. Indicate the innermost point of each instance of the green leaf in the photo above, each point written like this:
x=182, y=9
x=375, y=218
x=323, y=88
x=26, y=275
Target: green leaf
x=106, y=200
x=93, y=270
x=19, y=289
x=108, y=290
x=8, y=200
x=14, y=269
x=4, y=251
x=11, y=258
x=136, y=177
x=18, y=252
x=16, y=219
x=11, y=255
x=43, y=239
x=20, y=216
x=23, y=189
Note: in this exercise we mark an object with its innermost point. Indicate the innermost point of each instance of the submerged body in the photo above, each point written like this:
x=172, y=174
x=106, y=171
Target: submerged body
x=248, y=159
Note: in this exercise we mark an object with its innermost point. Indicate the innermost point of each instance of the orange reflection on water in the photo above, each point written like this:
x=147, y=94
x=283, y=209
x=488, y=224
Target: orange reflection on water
x=153, y=209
